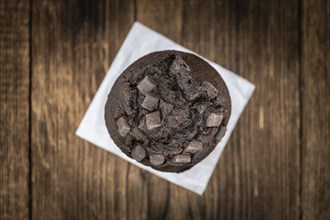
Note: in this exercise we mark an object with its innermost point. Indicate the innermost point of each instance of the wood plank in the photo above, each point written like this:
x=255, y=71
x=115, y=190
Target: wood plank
x=14, y=109
x=73, y=45
x=156, y=14
x=315, y=109
x=164, y=200
x=268, y=141
x=258, y=174
x=257, y=178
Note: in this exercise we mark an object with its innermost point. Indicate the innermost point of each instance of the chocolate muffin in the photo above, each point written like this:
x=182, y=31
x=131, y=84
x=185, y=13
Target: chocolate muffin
x=168, y=110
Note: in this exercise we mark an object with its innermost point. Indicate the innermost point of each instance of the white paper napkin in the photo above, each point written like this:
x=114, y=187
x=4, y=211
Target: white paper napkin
x=141, y=41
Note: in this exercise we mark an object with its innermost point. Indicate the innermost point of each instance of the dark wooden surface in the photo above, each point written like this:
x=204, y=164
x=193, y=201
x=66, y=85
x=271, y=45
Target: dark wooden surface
x=54, y=55
x=14, y=110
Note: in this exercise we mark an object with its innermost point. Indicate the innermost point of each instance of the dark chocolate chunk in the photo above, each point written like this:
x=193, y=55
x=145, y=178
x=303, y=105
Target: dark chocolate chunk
x=181, y=158
x=165, y=107
x=153, y=120
x=138, y=153
x=173, y=151
x=214, y=120
x=150, y=102
x=142, y=124
x=193, y=147
x=123, y=126
x=146, y=85
x=156, y=159
x=138, y=134
x=128, y=140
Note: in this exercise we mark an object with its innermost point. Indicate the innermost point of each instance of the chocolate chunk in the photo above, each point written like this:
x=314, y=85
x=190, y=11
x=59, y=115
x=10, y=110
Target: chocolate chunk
x=138, y=153
x=172, y=148
x=123, y=126
x=193, y=147
x=142, y=124
x=146, y=85
x=214, y=120
x=153, y=120
x=156, y=159
x=150, y=102
x=173, y=151
x=165, y=107
x=181, y=158
x=128, y=140
x=210, y=90
x=138, y=134
x=221, y=133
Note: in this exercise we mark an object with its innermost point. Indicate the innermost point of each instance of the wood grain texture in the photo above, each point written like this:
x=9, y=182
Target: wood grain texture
x=73, y=45
x=315, y=80
x=263, y=160
x=14, y=109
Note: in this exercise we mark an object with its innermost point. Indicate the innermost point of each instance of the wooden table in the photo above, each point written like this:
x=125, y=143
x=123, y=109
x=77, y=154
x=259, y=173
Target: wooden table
x=54, y=55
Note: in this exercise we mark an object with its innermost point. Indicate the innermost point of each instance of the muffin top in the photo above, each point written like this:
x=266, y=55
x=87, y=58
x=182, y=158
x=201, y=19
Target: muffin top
x=168, y=110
